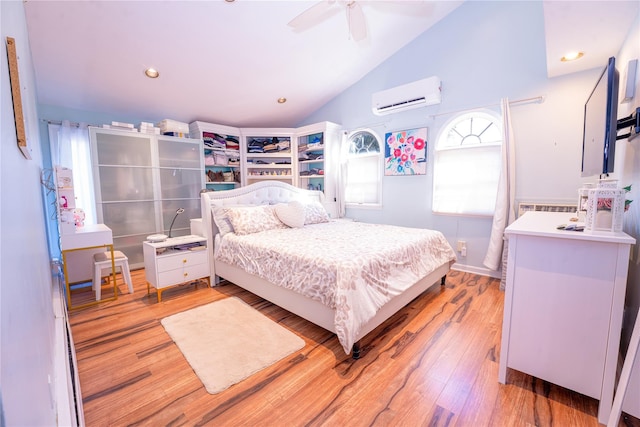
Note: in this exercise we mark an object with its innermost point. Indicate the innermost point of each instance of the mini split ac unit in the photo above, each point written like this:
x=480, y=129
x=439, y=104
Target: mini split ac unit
x=405, y=97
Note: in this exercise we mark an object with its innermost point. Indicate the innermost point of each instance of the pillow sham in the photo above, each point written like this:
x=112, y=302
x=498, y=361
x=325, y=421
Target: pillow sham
x=315, y=213
x=292, y=214
x=249, y=220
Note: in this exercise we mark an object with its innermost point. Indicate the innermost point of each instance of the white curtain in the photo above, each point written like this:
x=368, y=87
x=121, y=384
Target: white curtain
x=504, y=213
x=70, y=148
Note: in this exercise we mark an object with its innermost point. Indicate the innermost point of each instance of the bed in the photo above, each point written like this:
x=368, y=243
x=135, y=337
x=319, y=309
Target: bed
x=344, y=276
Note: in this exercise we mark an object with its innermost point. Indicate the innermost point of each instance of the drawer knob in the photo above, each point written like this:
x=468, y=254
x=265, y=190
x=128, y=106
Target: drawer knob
x=186, y=274
x=184, y=261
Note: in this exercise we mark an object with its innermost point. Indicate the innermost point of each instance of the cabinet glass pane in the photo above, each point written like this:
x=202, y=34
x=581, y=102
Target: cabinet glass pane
x=180, y=183
x=130, y=217
x=183, y=221
x=123, y=150
x=132, y=248
x=179, y=154
x=125, y=183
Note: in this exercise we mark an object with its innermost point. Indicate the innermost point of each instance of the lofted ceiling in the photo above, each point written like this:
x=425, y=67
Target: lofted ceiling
x=229, y=62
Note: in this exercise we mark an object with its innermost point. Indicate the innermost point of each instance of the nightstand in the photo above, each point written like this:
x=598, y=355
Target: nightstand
x=175, y=261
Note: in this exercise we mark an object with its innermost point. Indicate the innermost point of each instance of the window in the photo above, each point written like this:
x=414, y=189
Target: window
x=363, y=177
x=467, y=164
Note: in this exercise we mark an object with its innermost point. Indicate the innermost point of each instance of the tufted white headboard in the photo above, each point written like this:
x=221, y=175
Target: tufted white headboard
x=260, y=193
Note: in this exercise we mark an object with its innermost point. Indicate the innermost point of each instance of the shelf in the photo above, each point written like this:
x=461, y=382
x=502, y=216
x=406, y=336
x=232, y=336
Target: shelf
x=312, y=149
x=278, y=154
x=304, y=162
x=267, y=177
x=268, y=166
x=311, y=176
x=221, y=166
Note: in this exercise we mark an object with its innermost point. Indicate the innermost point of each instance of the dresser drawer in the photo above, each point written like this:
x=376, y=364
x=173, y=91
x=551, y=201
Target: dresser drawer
x=180, y=275
x=182, y=259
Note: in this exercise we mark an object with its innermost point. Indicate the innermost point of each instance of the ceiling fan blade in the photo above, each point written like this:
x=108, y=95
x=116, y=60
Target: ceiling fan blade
x=356, y=21
x=314, y=15
x=407, y=7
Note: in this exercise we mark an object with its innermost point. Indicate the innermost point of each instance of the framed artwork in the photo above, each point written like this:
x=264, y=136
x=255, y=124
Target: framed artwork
x=405, y=152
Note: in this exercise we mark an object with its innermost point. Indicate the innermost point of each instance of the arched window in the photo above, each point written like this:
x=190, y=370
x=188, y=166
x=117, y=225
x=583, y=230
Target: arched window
x=467, y=162
x=363, y=169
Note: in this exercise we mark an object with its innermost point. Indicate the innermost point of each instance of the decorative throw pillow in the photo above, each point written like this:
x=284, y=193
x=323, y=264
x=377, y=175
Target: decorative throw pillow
x=221, y=218
x=292, y=214
x=248, y=220
x=315, y=213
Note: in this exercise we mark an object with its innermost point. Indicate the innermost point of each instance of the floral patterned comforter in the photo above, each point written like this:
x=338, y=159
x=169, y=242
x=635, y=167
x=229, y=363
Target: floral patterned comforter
x=352, y=267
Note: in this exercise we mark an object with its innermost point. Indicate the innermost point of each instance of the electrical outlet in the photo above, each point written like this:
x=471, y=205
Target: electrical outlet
x=461, y=247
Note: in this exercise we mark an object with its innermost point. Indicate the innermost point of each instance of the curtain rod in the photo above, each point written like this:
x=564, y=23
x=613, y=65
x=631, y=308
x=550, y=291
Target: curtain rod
x=539, y=99
x=74, y=124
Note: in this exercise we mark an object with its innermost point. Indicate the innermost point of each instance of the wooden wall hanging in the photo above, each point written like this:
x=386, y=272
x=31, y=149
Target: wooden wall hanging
x=14, y=76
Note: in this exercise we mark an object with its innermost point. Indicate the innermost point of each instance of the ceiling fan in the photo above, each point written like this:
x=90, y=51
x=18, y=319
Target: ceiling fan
x=356, y=21
x=325, y=9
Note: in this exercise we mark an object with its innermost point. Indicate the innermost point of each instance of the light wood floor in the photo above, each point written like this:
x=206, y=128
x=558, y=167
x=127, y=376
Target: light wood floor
x=435, y=363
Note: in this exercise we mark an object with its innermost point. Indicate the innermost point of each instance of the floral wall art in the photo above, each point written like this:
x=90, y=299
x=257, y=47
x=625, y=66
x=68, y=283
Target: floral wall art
x=406, y=152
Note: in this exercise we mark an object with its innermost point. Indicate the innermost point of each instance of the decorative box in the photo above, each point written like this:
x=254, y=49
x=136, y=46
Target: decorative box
x=605, y=207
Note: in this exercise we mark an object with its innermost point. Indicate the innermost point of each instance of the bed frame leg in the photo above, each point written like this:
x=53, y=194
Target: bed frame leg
x=355, y=352
x=443, y=280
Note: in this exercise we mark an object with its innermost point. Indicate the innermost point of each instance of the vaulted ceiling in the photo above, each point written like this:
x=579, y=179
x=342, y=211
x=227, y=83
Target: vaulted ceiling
x=229, y=62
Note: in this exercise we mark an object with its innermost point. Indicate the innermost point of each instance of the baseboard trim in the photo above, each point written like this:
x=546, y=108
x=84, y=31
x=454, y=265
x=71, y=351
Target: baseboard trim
x=477, y=270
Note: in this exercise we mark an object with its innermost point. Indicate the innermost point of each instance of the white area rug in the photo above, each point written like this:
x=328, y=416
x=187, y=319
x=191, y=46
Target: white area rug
x=227, y=341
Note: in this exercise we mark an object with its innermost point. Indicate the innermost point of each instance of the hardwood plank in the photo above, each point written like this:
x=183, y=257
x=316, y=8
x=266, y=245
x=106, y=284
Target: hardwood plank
x=434, y=363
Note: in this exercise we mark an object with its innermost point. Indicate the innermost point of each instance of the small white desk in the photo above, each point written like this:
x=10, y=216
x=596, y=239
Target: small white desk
x=563, y=306
x=88, y=237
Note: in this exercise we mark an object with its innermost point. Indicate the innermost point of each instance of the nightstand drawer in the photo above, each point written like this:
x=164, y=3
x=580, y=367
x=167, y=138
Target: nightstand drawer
x=180, y=275
x=182, y=259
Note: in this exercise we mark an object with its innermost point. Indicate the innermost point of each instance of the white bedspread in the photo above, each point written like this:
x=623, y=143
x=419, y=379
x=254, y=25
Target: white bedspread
x=352, y=267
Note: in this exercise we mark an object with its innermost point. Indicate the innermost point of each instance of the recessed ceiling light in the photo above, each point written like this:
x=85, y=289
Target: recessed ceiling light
x=282, y=100
x=572, y=56
x=152, y=73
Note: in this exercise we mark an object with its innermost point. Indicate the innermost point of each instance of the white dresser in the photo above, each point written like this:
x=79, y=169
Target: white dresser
x=175, y=261
x=563, y=305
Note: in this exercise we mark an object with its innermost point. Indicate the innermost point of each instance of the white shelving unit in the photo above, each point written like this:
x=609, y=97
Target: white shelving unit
x=219, y=159
x=276, y=162
x=286, y=165
x=318, y=156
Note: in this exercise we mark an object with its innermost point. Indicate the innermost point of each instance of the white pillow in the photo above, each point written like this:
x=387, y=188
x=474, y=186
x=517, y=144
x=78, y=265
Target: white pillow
x=249, y=220
x=292, y=214
x=315, y=213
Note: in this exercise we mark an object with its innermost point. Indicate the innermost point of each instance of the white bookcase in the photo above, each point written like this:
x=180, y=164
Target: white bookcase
x=305, y=163
x=318, y=157
x=220, y=158
x=276, y=161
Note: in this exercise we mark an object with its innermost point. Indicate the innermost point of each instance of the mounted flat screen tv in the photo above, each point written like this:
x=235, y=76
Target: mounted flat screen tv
x=600, y=124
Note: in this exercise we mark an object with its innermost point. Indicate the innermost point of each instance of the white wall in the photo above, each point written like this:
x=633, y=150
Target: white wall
x=26, y=312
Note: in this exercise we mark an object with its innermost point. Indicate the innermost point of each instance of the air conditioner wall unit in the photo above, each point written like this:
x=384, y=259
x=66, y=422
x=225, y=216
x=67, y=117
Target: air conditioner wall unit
x=420, y=93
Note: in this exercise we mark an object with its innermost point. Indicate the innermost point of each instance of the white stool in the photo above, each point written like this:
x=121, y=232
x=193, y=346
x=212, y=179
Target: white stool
x=102, y=261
